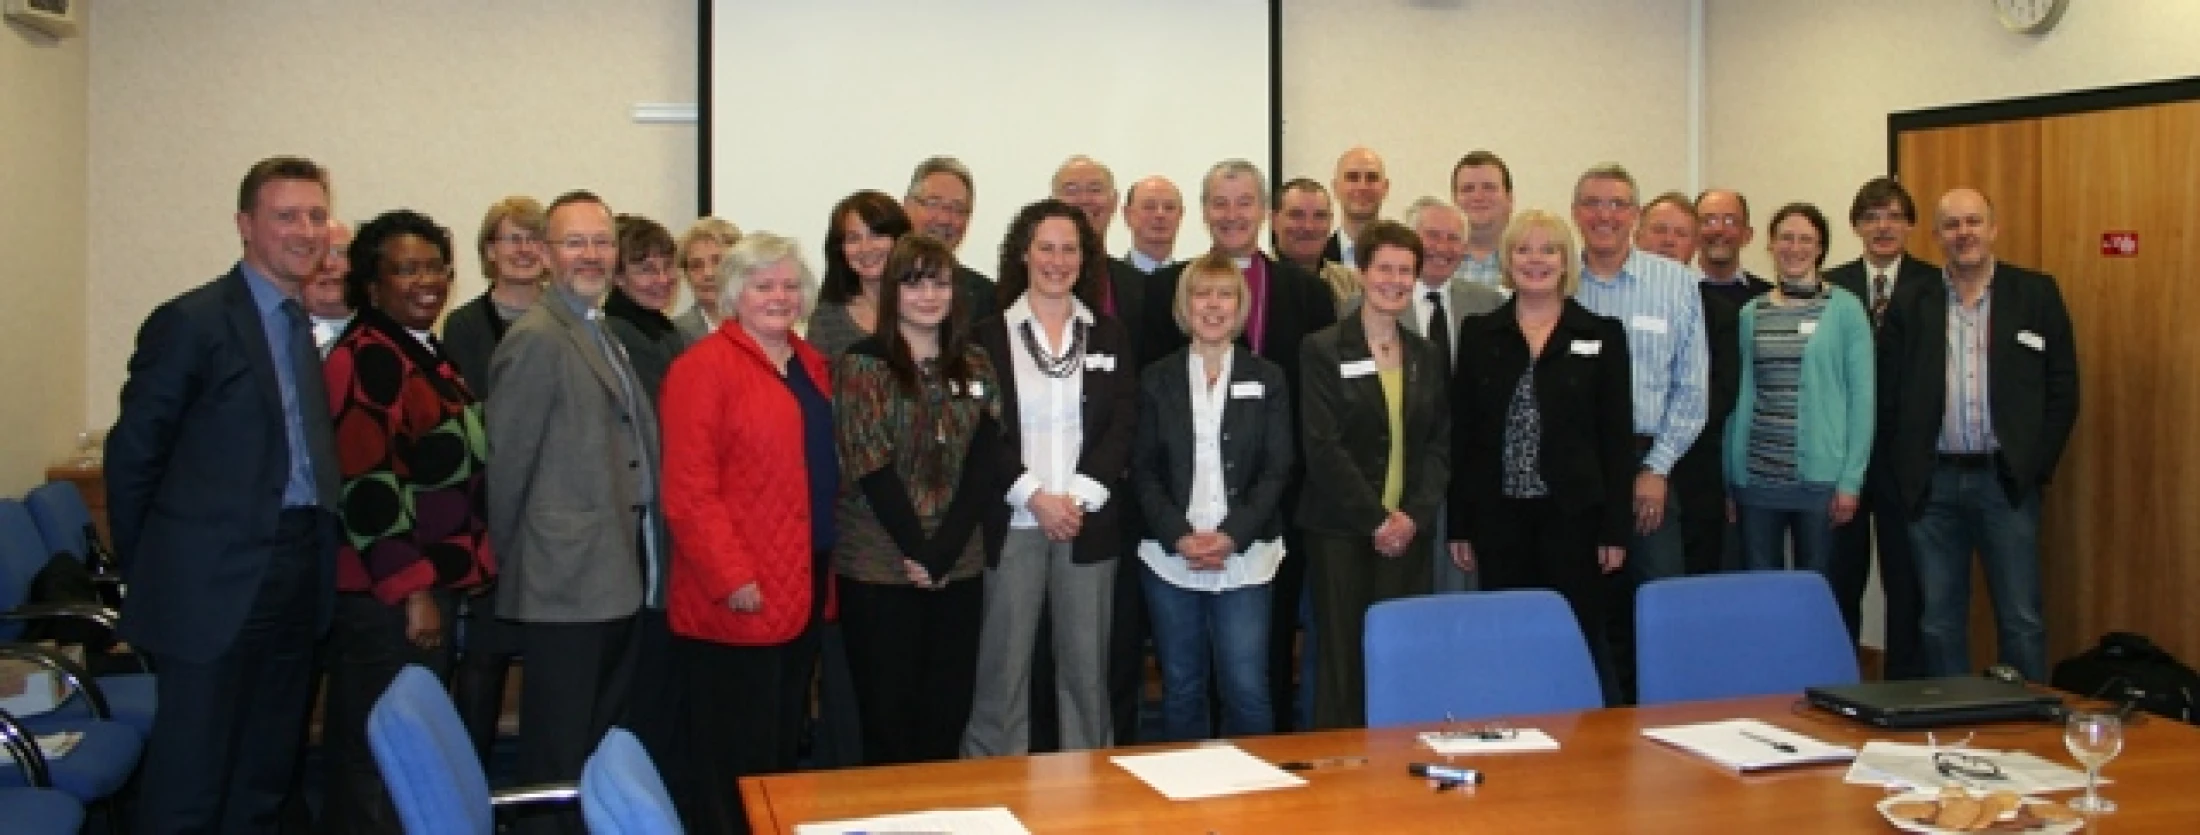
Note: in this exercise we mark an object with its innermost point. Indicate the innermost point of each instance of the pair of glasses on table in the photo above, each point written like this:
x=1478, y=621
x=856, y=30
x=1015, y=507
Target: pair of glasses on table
x=1454, y=729
x=1955, y=763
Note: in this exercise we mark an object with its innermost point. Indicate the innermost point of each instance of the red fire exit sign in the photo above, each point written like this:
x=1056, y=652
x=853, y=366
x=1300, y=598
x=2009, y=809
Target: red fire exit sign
x=2119, y=244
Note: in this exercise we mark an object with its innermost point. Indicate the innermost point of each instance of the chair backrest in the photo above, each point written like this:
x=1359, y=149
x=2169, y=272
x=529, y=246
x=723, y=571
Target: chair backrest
x=621, y=792
x=426, y=758
x=62, y=517
x=1476, y=655
x=22, y=554
x=1748, y=633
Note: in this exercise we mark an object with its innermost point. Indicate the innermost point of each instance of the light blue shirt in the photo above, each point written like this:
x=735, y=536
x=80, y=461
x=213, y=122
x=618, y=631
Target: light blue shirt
x=1655, y=299
x=299, y=490
x=1480, y=270
x=1143, y=262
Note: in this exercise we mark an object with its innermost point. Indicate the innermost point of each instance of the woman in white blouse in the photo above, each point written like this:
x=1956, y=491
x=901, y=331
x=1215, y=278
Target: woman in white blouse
x=1069, y=401
x=1214, y=452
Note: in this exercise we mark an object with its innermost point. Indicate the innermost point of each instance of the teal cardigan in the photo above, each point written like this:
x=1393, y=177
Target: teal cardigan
x=1834, y=418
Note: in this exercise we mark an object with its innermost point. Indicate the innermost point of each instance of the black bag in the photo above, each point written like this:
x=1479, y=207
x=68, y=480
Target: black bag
x=2129, y=669
x=66, y=580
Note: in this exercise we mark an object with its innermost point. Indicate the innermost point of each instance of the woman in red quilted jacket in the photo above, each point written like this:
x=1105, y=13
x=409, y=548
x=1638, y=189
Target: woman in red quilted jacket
x=750, y=478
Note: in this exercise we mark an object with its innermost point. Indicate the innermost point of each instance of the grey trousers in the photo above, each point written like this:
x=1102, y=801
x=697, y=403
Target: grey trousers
x=1080, y=600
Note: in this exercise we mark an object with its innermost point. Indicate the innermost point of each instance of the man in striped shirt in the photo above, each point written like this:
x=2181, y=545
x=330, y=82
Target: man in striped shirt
x=1655, y=299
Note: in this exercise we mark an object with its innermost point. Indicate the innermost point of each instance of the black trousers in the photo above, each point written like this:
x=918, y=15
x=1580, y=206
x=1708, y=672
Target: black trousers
x=914, y=657
x=1127, y=632
x=1283, y=625
x=1533, y=544
x=1852, y=564
x=484, y=659
x=745, y=711
x=366, y=647
x=226, y=733
x=579, y=678
x=656, y=707
x=1348, y=576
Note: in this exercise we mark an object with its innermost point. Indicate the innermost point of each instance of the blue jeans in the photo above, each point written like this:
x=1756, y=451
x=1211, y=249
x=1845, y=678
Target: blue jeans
x=1195, y=631
x=1968, y=509
x=1765, y=532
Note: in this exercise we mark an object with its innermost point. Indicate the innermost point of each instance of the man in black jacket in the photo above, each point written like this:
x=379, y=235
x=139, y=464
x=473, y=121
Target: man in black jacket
x=1882, y=215
x=1978, y=384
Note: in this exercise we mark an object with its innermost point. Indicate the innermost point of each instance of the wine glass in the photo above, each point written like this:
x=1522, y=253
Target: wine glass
x=2093, y=738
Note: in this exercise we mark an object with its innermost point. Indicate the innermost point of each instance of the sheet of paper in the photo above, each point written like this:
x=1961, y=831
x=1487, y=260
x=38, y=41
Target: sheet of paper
x=992, y=821
x=1749, y=745
x=1207, y=771
x=1883, y=763
x=1525, y=739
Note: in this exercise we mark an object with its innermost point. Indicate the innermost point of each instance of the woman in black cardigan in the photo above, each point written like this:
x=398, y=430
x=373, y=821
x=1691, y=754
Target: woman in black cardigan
x=1545, y=460
x=1378, y=457
x=1069, y=406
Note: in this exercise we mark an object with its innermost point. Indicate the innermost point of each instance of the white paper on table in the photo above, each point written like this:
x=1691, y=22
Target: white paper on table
x=992, y=821
x=1207, y=771
x=1747, y=744
x=1523, y=739
x=1884, y=763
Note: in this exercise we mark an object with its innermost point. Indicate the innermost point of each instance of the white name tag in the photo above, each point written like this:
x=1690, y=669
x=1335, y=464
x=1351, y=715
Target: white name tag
x=1099, y=362
x=1356, y=368
x=1588, y=347
x=1652, y=324
x=1249, y=390
x=2031, y=340
x=1807, y=327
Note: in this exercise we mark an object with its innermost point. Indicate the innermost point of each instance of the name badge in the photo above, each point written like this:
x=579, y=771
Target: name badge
x=1649, y=324
x=1588, y=347
x=2031, y=340
x=1356, y=368
x=1099, y=362
x=1807, y=327
x=1247, y=391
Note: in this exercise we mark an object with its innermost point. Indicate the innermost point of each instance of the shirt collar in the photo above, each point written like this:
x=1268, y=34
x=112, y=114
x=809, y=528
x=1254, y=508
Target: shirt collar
x=267, y=297
x=573, y=301
x=1020, y=312
x=1628, y=269
x=1142, y=262
x=1893, y=268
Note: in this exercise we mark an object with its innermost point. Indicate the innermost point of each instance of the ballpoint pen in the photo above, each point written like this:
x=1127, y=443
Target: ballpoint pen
x=1782, y=747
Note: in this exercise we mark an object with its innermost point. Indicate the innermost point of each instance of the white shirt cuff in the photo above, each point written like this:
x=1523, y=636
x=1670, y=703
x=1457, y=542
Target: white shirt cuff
x=1020, y=492
x=1089, y=493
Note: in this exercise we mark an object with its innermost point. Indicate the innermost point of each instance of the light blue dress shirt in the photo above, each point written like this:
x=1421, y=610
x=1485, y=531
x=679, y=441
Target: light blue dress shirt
x=1655, y=299
x=298, y=490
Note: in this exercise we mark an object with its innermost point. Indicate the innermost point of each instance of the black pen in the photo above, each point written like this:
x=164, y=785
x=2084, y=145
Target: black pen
x=1782, y=747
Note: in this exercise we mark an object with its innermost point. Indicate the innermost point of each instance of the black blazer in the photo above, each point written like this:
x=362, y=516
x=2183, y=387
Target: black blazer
x=470, y=337
x=984, y=295
x=1298, y=304
x=1256, y=447
x=196, y=465
x=1856, y=278
x=1129, y=288
x=1699, y=475
x=2032, y=392
x=1587, y=401
x=1110, y=425
x=1345, y=433
x=1333, y=250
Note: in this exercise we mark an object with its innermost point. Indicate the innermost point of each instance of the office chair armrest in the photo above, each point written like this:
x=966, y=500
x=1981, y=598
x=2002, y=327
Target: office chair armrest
x=540, y=794
x=77, y=677
x=105, y=617
x=24, y=746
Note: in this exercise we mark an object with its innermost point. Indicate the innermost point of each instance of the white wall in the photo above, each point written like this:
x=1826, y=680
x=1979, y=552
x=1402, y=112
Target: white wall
x=1553, y=86
x=437, y=106
x=1799, y=91
x=42, y=232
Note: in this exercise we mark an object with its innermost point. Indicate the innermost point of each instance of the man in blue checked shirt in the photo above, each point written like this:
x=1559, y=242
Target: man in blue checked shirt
x=1655, y=298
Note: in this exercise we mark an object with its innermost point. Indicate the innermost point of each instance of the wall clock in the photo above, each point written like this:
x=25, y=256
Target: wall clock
x=2029, y=17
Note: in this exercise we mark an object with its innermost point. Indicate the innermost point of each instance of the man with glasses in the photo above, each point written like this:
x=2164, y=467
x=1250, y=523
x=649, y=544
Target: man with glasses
x=573, y=462
x=941, y=197
x=1656, y=300
x=1723, y=218
x=1361, y=184
x=1882, y=216
x=1668, y=228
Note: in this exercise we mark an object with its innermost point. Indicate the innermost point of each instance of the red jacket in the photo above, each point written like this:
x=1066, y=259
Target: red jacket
x=736, y=490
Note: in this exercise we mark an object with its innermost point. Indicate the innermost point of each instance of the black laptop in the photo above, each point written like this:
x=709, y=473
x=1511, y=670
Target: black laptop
x=1934, y=702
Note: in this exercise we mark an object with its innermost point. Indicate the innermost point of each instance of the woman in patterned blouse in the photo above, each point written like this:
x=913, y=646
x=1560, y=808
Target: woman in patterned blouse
x=916, y=413
x=1544, y=474
x=408, y=434
x=1802, y=428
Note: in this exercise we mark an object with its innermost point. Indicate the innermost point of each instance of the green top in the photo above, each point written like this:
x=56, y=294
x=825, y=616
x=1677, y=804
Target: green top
x=1833, y=432
x=1394, y=404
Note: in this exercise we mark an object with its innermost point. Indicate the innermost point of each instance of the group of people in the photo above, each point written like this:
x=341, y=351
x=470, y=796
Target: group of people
x=960, y=507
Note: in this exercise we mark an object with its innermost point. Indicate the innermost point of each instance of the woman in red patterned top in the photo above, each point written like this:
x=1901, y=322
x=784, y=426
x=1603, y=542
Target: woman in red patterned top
x=409, y=437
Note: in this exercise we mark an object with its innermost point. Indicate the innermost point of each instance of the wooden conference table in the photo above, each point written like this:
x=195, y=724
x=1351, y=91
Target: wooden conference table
x=1605, y=778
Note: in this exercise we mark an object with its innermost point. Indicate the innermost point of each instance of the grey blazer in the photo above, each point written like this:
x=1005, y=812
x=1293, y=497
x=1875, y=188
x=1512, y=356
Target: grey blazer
x=691, y=325
x=1257, y=447
x=562, y=510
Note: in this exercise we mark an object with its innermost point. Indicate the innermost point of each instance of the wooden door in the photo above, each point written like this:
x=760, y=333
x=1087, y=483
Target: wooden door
x=2120, y=526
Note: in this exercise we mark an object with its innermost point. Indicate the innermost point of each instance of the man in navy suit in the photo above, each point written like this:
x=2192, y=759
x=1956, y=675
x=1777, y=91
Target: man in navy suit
x=221, y=481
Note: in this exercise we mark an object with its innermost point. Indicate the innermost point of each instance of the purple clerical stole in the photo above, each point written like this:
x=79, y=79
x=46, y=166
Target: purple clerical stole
x=1256, y=283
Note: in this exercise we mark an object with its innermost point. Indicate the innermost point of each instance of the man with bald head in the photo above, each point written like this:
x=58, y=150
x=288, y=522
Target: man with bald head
x=1482, y=187
x=1722, y=221
x=323, y=294
x=1360, y=184
x=1153, y=208
x=1086, y=184
x=1978, y=390
x=1668, y=228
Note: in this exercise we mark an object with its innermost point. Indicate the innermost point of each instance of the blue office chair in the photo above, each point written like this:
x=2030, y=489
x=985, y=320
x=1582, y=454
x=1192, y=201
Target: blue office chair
x=621, y=792
x=1475, y=656
x=1748, y=633
x=36, y=808
x=64, y=521
x=94, y=771
x=428, y=762
x=130, y=697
